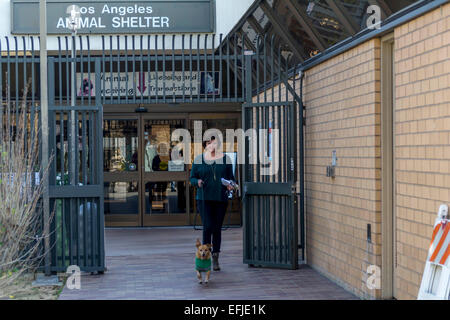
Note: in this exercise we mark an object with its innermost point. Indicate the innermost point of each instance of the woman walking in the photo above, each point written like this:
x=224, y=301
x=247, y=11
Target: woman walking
x=212, y=200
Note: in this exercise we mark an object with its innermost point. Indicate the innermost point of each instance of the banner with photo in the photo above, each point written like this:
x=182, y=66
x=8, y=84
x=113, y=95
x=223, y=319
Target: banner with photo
x=150, y=84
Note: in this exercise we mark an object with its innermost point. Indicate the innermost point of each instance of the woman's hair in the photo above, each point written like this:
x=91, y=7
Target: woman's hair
x=211, y=139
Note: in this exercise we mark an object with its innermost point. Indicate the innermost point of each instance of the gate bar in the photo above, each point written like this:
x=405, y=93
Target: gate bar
x=44, y=126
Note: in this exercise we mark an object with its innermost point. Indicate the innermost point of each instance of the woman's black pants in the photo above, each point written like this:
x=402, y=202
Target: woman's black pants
x=212, y=213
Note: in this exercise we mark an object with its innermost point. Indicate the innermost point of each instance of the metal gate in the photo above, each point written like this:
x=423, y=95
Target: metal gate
x=270, y=215
x=76, y=168
x=270, y=209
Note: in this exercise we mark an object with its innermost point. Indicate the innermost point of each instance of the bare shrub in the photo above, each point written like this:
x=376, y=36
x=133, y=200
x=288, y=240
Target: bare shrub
x=21, y=190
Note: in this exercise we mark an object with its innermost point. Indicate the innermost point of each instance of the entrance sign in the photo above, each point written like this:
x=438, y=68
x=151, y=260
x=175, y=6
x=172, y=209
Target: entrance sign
x=149, y=84
x=117, y=16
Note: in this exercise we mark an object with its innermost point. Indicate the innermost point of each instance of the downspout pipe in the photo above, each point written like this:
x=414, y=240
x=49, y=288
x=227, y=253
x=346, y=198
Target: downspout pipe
x=302, y=169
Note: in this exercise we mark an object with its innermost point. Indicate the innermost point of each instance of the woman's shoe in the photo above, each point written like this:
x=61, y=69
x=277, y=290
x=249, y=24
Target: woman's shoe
x=215, y=258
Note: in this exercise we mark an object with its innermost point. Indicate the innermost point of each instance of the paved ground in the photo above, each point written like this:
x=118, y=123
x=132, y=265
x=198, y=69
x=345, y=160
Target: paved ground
x=159, y=264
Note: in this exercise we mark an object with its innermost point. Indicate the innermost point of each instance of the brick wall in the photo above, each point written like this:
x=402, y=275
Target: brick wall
x=422, y=139
x=342, y=98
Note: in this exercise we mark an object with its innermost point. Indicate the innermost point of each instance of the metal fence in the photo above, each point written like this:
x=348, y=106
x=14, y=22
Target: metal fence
x=87, y=75
x=182, y=60
x=162, y=70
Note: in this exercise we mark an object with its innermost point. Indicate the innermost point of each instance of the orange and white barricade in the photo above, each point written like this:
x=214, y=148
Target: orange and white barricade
x=436, y=276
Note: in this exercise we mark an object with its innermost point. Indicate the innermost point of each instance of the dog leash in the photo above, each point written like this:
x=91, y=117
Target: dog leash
x=196, y=212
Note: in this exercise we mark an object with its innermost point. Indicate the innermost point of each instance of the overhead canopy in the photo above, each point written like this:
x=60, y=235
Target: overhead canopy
x=304, y=28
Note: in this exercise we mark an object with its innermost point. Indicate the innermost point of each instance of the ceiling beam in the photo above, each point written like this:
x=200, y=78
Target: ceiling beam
x=252, y=47
x=247, y=14
x=276, y=65
x=385, y=5
x=306, y=23
x=249, y=45
x=247, y=41
x=233, y=50
x=343, y=16
x=255, y=25
x=257, y=28
x=282, y=31
x=267, y=42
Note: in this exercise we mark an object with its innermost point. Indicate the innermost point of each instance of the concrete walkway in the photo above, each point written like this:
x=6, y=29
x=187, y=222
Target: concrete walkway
x=159, y=264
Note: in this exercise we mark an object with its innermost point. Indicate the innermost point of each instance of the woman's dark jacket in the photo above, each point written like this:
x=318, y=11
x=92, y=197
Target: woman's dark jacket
x=211, y=172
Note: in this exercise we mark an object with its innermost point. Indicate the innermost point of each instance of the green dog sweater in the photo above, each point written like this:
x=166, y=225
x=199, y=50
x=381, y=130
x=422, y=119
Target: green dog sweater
x=202, y=265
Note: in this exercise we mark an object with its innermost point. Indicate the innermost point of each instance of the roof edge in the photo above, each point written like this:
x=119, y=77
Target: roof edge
x=406, y=14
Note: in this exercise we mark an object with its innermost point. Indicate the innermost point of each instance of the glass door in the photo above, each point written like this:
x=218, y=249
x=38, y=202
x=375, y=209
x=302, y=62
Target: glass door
x=164, y=181
x=221, y=122
x=143, y=186
x=121, y=170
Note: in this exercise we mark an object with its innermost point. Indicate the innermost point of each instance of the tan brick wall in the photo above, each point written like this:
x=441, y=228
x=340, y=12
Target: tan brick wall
x=422, y=139
x=342, y=98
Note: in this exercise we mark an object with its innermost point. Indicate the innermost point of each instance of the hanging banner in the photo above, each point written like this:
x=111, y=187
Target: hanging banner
x=116, y=16
x=150, y=84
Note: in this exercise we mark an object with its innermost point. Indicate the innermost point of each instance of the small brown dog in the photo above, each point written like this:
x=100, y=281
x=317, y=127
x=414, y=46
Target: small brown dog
x=203, y=261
